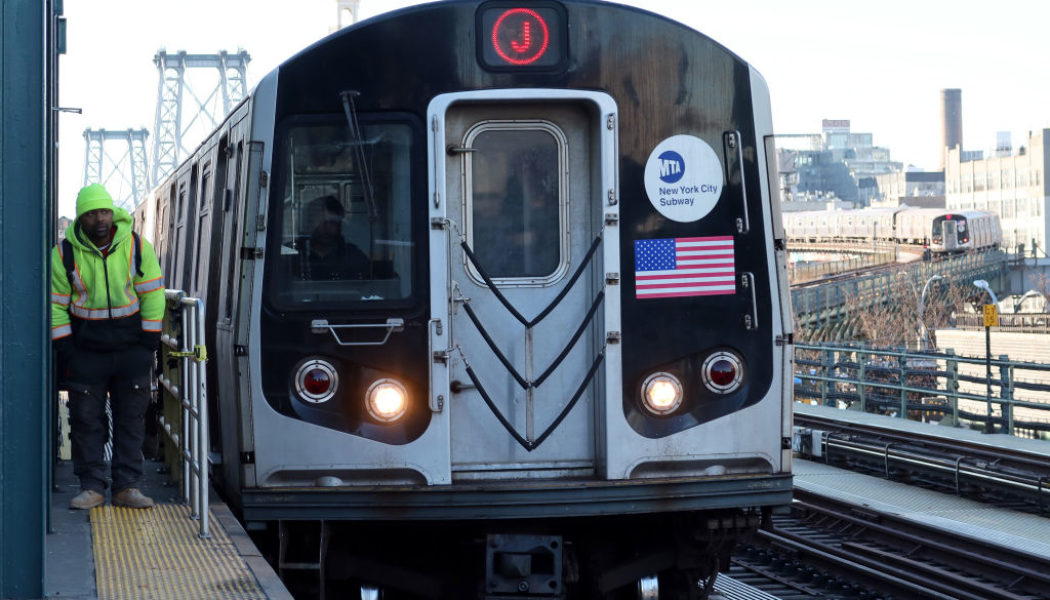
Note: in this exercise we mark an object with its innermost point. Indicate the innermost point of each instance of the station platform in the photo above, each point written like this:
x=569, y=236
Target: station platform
x=1039, y=448
x=1008, y=528
x=121, y=553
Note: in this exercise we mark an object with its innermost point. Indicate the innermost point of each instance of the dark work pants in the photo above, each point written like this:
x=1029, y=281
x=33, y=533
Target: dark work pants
x=125, y=376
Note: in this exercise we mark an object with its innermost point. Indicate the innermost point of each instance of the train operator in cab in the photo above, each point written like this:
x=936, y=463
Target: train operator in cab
x=327, y=253
x=107, y=306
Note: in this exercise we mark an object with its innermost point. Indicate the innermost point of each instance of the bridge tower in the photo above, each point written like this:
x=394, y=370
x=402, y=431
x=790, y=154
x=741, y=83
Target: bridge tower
x=350, y=9
x=117, y=160
x=206, y=100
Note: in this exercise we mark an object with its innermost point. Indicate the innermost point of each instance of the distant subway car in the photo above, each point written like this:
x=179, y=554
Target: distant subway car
x=496, y=303
x=943, y=231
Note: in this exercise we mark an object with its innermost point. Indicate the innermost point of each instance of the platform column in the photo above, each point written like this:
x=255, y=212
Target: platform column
x=24, y=352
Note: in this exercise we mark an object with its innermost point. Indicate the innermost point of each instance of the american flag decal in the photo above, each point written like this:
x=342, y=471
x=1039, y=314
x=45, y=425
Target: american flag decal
x=672, y=267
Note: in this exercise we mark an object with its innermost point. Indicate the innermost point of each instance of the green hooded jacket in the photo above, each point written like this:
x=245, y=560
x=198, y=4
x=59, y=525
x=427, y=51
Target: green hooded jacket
x=109, y=306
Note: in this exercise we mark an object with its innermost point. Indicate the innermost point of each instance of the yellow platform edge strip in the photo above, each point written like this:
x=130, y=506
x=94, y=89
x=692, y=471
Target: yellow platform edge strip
x=158, y=554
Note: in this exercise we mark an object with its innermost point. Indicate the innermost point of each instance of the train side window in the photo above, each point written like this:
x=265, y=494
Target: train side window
x=202, y=246
x=231, y=257
x=516, y=199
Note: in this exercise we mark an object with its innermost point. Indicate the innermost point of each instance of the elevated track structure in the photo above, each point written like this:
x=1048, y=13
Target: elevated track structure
x=826, y=309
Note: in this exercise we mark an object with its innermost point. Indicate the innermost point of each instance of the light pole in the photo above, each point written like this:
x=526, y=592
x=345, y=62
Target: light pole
x=1027, y=295
x=991, y=317
x=923, y=332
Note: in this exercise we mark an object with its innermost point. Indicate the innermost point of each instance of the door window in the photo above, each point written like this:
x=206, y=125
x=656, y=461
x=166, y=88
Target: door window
x=516, y=201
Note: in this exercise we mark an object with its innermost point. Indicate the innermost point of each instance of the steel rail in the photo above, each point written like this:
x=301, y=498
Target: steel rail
x=987, y=450
x=929, y=562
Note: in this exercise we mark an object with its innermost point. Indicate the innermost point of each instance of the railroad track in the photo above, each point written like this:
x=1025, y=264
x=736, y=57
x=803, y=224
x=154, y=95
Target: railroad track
x=982, y=471
x=905, y=559
x=827, y=548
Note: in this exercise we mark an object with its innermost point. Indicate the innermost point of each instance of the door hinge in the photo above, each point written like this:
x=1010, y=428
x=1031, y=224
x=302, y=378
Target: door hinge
x=250, y=253
x=787, y=339
x=240, y=350
x=248, y=458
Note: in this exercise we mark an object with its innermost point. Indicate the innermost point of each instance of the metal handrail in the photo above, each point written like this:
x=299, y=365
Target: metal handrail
x=916, y=385
x=182, y=341
x=1017, y=322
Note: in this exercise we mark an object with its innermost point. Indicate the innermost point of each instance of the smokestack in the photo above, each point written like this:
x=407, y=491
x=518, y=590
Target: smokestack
x=951, y=122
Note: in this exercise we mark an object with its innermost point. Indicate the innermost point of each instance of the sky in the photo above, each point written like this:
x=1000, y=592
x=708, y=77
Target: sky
x=879, y=64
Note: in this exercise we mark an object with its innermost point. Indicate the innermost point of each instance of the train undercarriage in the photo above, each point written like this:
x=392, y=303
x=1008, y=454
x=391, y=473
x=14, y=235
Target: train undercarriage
x=653, y=556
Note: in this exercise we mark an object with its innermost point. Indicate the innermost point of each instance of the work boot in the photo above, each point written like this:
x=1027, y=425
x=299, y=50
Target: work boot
x=86, y=499
x=132, y=498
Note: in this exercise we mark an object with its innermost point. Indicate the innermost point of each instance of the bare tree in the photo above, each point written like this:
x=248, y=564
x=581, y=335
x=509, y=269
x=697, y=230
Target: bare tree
x=892, y=319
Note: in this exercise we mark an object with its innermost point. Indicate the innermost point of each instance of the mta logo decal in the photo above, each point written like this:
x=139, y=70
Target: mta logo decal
x=672, y=167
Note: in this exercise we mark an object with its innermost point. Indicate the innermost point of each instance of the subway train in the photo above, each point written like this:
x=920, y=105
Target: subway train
x=496, y=304
x=940, y=230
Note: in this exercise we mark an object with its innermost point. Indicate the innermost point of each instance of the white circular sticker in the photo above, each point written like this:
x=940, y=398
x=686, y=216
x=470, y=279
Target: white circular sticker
x=683, y=178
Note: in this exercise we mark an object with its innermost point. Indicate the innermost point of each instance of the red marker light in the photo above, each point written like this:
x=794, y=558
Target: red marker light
x=723, y=373
x=520, y=36
x=316, y=382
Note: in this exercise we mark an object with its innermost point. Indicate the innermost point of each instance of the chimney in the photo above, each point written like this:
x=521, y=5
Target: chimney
x=951, y=122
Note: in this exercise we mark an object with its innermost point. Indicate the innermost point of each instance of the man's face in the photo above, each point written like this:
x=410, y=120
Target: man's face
x=97, y=224
x=328, y=226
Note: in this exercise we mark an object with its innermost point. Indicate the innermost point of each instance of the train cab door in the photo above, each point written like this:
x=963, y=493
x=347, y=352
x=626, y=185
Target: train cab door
x=521, y=284
x=950, y=231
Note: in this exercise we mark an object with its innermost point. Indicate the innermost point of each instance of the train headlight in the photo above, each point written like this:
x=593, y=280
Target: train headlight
x=386, y=400
x=661, y=393
x=316, y=381
x=722, y=372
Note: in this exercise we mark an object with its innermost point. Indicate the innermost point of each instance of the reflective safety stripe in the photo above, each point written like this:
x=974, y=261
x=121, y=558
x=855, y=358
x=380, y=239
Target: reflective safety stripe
x=149, y=286
x=61, y=331
x=148, y=325
x=105, y=313
x=62, y=299
x=131, y=258
x=78, y=283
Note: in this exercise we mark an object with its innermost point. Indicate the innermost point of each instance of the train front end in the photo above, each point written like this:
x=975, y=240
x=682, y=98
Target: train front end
x=522, y=280
x=950, y=233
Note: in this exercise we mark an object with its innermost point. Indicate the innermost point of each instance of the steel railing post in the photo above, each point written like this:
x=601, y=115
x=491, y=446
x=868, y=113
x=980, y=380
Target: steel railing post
x=1006, y=392
x=902, y=378
x=951, y=384
x=862, y=360
x=192, y=445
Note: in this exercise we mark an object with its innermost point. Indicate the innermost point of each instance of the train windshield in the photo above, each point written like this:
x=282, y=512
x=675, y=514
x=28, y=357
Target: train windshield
x=343, y=216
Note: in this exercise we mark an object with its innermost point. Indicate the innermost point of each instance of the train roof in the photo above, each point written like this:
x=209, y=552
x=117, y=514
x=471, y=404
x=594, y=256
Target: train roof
x=439, y=5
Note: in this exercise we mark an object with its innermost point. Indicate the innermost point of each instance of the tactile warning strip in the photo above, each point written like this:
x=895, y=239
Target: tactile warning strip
x=158, y=553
